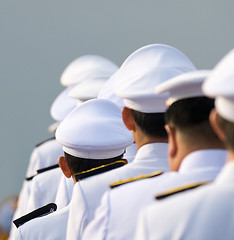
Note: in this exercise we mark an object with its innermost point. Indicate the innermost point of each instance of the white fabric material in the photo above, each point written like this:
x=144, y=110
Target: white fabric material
x=143, y=70
x=220, y=85
x=52, y=226
x=44, y=188
x=204, y=213
x=101, y=154
x=130, y=153
x=64, y=193
x=52, y=128
x=88, y=89
x=186, y=85
x=225, y=107
x=88, y=192
x=62, y=105
x=117, y=214
x=87, y=67
x=45, y=155
x=107, y=92
x=94, y=130
x=42, y=156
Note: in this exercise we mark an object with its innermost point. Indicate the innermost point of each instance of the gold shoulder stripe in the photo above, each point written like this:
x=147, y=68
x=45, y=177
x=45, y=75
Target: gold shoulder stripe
x=132, y=179
x=179, y=189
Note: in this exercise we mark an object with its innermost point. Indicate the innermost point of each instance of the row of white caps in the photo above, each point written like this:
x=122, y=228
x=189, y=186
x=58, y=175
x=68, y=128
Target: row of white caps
x=84, y=77
x=154, y=66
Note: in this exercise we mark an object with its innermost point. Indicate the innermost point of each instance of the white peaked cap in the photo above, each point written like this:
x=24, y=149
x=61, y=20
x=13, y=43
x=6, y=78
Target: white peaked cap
x=144, y=69
x=62, y=105
x=52, y=128
x=107, y=92
x=220, y=85
x=186, y=85
x=94, y=130
x=87, y=67
x=88, y=89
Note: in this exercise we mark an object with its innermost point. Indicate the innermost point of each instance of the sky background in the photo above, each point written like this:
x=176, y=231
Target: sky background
x=38, y=39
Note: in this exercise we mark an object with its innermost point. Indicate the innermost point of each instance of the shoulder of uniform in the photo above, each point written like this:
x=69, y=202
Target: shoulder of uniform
x=132, y=179
x=179, y=189
x=47, y=168
x=39, y=144
x=47, y=209
x=42, y=170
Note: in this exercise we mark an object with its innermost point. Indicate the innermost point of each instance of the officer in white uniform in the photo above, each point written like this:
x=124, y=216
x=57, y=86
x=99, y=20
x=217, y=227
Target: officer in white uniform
x=86, y=68
x=43, y=156
x=114, y=219
x=205, y=213
x=135, y=82
x=92, y=135
x=90, y=73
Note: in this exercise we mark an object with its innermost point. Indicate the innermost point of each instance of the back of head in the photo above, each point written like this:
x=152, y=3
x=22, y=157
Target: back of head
x=190, y=116
x=189, y=109
x=220, y=85
x=136, y=79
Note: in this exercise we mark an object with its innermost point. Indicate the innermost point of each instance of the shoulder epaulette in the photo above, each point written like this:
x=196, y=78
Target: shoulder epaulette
x=47, y=168
x=132, y=179
x=39, y=144
x=49, y=208
x=30, y=178
x=41, y=170
x=179, y=189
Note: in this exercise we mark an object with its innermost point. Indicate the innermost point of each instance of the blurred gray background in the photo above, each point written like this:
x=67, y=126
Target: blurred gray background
x=38, y=39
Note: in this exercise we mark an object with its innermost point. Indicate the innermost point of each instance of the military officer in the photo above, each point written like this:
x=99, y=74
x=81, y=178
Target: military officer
x=88, y=67
x=205, y=213
x=143, y=115
x=194, y=150
x=93, y=137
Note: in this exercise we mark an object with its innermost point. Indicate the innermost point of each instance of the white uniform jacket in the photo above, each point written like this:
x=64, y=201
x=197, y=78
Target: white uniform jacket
x=64, y=193
x=204, y=213
x=116, y=217
x=52, y=226
x=87, y=193
x=44, y=188
x=44, y=155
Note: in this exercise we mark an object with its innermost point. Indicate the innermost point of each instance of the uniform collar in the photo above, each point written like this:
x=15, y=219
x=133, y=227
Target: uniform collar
x=101, y=169
x=203, y=159
x=151, y=150
x=227, y=174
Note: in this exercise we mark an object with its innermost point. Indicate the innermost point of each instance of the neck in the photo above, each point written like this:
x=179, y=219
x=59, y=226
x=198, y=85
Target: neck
x=230, y=157
x=142, y=139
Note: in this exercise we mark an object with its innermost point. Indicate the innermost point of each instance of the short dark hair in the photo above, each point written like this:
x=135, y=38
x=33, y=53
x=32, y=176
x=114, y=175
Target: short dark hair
x=228, y=129
x=191, y=116
x=77, y=164
x=151, y=124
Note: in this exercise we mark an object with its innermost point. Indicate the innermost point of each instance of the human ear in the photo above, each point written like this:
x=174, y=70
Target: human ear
x=172, y=149
x=215, y=125
x=128, y=119
x=64, y=166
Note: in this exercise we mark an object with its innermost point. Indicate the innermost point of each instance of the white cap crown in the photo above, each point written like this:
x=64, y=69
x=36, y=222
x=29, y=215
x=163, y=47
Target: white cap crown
x=220, y=85
x=62, y=105
x=94, y=130
x=186, y=85
x=87, y=67
x=147, y=67
x=107, y=92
